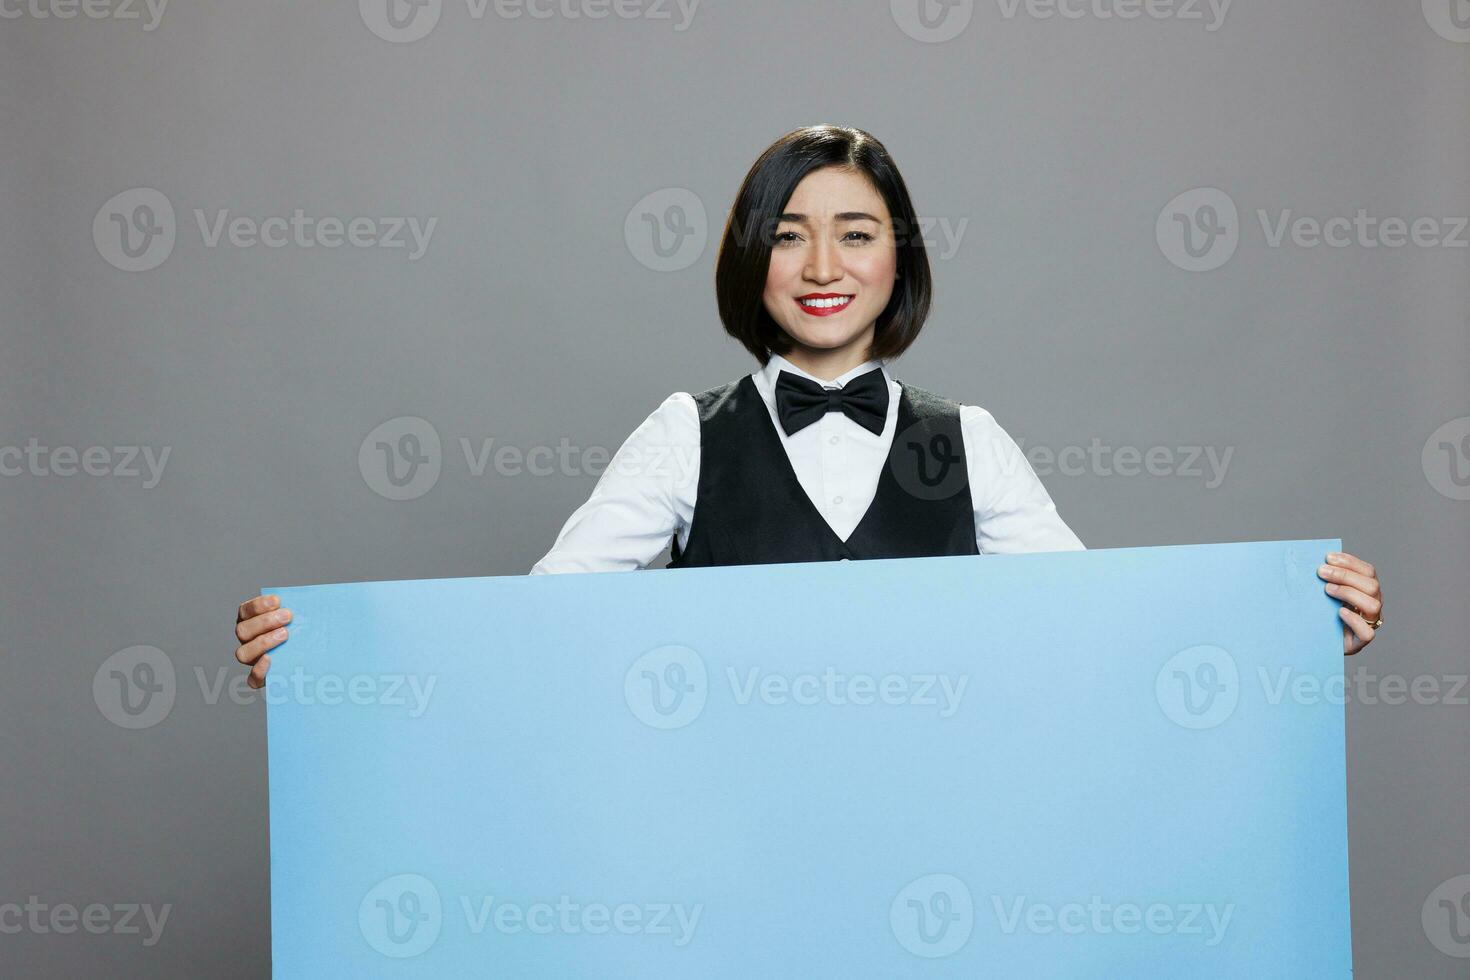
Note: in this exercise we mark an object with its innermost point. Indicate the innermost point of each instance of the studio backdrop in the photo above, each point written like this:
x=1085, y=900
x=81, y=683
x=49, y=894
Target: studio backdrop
x=336, y=291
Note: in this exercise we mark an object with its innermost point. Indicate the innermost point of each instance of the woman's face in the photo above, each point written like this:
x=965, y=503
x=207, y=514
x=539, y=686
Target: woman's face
x=835, y=239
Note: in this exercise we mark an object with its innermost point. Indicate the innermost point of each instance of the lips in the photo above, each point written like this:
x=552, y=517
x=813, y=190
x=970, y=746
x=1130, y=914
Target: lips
x=824, y=304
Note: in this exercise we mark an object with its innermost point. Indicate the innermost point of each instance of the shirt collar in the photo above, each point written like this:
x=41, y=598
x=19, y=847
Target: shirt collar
x=777, y=364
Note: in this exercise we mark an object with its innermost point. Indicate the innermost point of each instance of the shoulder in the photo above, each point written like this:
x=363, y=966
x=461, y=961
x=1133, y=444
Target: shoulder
x=975, y=421
x=721, y=398
x=926, y=403
x=987, y=444
x=664, y=445
x=987, y=441
x=677, y=415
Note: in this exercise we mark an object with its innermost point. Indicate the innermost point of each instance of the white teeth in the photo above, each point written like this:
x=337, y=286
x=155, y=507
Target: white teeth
x=822, y=304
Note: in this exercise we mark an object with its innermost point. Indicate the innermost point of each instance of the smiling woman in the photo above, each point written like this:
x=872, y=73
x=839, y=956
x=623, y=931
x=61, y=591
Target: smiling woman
x=821, y=454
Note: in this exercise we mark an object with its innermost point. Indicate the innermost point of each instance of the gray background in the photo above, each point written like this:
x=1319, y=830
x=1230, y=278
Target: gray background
x=531, y=319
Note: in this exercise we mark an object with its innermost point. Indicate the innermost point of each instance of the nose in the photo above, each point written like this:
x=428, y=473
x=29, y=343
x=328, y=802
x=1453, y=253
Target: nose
x=824, y=264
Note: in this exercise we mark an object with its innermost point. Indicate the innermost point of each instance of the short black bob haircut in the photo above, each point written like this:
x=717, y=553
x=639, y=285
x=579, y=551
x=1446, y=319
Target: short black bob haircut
x=745, y=250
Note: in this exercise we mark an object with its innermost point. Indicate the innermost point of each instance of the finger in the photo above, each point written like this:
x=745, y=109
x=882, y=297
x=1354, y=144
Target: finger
x=1358, y=634
x=1351, y=562
x=1363, y=603
x=249, y=653
x=1343, y=576
x=254, y=607
x=257, y=673
x=251, y=628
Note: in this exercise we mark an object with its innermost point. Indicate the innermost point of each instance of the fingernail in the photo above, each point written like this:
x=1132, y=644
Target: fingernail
x=272, y=602
x=1323, y=569
x=1335, y=557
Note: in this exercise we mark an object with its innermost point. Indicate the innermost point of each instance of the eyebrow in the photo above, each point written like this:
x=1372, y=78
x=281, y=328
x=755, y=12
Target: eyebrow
x=841, y=216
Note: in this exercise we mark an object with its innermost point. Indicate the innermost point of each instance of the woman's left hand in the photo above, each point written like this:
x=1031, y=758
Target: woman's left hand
x=1354, y=583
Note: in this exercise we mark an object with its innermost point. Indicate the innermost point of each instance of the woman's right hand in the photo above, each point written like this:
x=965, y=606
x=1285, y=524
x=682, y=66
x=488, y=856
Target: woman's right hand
x=260, y=626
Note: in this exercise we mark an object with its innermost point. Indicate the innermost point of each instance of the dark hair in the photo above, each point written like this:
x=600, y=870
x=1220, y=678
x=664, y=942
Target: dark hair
x=745, y=250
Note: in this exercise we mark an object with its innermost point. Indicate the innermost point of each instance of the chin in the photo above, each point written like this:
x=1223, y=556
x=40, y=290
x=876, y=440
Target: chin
x=820, y=341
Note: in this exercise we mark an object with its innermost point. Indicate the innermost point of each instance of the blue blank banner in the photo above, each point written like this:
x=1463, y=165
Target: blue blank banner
x=1106, y=764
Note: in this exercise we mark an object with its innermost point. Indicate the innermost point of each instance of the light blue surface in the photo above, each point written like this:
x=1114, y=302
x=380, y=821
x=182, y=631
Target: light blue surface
x=1136, y=771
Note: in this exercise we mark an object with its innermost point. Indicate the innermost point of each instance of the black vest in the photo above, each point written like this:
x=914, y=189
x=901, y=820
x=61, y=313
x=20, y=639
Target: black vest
x=750, y=509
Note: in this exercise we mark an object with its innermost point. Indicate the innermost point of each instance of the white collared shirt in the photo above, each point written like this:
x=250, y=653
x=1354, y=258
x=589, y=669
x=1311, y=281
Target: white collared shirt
x=647, y=492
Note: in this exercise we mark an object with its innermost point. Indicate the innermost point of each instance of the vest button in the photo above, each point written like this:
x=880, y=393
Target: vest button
x=837, y=500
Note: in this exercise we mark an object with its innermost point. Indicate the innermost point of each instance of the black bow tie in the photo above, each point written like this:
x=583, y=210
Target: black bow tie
x=801, y=401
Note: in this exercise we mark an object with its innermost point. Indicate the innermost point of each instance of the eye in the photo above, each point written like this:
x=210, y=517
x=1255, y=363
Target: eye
x=786, y=236
x=862, y=236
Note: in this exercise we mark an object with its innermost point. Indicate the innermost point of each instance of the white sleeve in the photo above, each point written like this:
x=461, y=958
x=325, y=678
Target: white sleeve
x=1013, y=511
x=645, y=496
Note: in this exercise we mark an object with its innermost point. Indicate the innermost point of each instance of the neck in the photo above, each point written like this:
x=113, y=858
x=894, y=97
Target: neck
x=832, y=362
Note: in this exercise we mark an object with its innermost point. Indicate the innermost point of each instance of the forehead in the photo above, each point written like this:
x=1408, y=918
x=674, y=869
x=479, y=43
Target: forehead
x=830, y=190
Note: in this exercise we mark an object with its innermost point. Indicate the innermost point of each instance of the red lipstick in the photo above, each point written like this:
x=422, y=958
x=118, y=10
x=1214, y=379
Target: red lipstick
x=833, y=303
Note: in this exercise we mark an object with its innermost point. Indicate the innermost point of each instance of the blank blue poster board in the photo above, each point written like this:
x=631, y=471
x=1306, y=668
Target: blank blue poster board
x=1101, y=764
